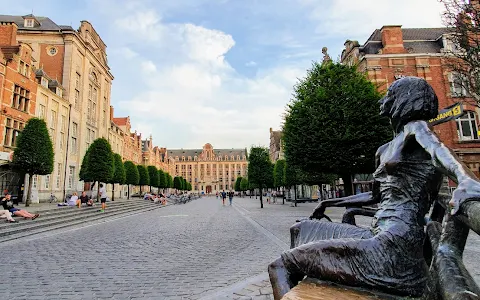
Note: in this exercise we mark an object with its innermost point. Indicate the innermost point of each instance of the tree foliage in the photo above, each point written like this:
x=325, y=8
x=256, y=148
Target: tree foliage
x=178, y=183
x=119, y=175
x=279, y=173
x=153, y=175
x=244, y=184
x=260, y=169
x=237, y=184
x=162, y=179
x=170, y=180
x=131, y=172
x=144, y=179
x=462, y=51
x=83, y=174
x=332, y=124
x=34, y=149
x=100, y=162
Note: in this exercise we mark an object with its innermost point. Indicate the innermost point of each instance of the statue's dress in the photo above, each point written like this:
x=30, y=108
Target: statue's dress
x=387, y=256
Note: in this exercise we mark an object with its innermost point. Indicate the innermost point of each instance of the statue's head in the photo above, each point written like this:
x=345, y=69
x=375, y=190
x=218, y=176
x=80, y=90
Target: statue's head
x=409, y=99
x=324, y=50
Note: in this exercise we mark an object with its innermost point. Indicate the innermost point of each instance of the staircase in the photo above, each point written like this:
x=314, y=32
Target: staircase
x=61, y=217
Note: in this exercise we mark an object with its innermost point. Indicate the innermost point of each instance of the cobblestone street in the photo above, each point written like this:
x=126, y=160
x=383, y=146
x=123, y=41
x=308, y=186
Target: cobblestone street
x=200, y=250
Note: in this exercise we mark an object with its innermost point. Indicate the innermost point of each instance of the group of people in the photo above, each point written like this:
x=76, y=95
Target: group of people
x=9, y=210
x=75, y=200
x=156, y=198
x=224, y=195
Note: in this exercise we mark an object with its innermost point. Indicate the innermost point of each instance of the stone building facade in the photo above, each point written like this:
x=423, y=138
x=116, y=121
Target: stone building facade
x=276, y=149
x=210, y=170
x=393, y=52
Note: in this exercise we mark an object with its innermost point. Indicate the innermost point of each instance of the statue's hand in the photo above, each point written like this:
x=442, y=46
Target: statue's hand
x=319, y=212
x=467, y=190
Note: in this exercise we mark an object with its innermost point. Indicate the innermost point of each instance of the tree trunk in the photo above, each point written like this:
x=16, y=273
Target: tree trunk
x=295, y=194
x=283, y=195
x=261, y=194
x=29, y=191
x=98, y=192
x=140, y=190
x=128, y=192
x=347, y=184
x=113, y=192
x=150, y=189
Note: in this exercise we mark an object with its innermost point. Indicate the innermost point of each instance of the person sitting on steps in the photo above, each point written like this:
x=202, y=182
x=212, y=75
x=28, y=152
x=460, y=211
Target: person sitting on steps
x=8, y=205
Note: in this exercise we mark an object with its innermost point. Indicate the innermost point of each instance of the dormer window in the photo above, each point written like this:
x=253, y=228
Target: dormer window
x=44, y=82
x=29, y=23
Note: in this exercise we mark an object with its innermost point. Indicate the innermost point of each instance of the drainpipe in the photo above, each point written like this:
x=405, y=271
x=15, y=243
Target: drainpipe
x=66, y=150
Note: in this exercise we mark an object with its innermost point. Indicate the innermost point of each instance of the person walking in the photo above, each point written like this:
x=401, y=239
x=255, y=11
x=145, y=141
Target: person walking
x=224, y=196
x=103, y=197
x=230, y=197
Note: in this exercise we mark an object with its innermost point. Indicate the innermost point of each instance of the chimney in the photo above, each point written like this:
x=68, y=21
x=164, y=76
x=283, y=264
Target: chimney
x=392, y=39
x=8, y=34
x=111, y=113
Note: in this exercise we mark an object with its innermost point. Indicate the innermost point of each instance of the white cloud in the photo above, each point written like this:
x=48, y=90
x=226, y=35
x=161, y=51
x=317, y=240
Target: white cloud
x=357, y=19
x=251, y=64
x=148, y=67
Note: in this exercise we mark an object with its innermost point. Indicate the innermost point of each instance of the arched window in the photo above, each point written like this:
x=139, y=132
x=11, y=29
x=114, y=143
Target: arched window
x=195, y=158
x=232, y=157
x=226, y=157
x=467, y=128
x=183, y=158
x=176, y=158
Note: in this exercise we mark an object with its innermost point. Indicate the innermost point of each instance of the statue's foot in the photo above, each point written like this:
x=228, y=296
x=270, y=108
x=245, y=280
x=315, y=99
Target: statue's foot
x=280, y=279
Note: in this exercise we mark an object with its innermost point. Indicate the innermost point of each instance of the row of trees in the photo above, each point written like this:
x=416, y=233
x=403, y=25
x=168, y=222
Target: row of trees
x=181, y=184
x=100, y=164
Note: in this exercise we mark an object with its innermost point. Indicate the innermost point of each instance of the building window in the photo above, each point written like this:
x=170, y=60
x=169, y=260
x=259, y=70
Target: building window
x=42, y=111
x=21, y=98
x=28, y=23
x=62, y=140
x=467, y=128
x=59, y=176
x=24, y=69
x=76, y=101
x=71, y=177
x=44, y=82
x=458, y=85
x=74, y=138
x=34, y=181
x=12, y=129
x=52, y=51
x=47, y=182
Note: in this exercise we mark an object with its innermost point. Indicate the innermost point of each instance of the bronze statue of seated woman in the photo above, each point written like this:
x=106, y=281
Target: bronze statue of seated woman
x=388, y=256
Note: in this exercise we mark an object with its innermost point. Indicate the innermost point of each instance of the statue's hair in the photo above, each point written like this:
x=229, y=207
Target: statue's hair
x=414, y=99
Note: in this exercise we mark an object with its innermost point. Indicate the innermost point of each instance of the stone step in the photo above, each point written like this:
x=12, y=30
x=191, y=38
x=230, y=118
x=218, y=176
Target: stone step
x=66, y=213
x=53, y=225
x=58, y=209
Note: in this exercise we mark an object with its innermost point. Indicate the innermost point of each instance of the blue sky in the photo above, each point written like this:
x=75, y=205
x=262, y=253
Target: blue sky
x=219, y=71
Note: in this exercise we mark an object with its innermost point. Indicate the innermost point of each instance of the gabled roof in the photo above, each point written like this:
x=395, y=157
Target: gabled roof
x=120, y=121
x=46, y=24
x=416, y=40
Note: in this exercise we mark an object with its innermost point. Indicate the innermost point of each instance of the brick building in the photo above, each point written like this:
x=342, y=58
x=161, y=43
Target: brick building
x=393, y=52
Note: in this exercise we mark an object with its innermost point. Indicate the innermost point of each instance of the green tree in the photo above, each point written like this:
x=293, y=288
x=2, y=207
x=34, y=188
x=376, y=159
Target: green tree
x=83, y=174
x=153, y=176
x=279, y=173
x=119, y=175
x=170, y=181
x=185, y=184
x=260, y=169
x=292, y=178
x=244, y=184
x=177, y=183
x=237, y=184
x=333, y=125
x=100, y=162
x=33, y=154
x=162, y=179
x=144, y=179
x=131, y=173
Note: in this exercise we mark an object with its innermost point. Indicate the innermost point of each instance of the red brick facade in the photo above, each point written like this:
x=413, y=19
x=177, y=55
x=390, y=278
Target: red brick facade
x=392, y=52
x=18, y=87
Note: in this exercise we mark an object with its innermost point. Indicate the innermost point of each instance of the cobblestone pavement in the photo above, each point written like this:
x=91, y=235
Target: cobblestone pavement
x=200, y=250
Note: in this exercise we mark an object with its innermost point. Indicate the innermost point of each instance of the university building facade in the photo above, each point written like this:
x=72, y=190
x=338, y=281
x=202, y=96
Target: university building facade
x=209, y=170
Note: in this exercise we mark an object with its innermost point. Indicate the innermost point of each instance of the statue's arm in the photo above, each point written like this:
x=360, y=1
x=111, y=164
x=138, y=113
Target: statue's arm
x=448, y=162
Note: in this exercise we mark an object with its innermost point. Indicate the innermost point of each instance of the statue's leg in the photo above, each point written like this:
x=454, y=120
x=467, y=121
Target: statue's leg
x=312, y=231
x=280, y=279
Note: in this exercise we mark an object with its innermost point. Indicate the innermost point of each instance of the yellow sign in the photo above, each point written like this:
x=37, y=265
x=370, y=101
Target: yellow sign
x=449, y=113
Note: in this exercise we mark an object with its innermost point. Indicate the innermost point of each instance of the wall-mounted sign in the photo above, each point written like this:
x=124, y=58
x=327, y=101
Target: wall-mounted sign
x=449, y=113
